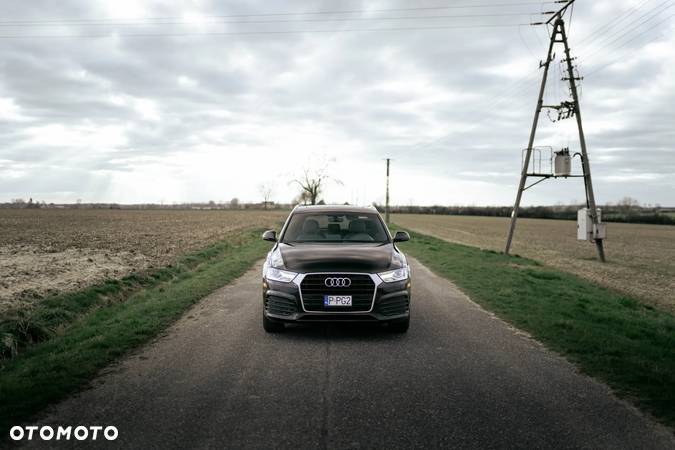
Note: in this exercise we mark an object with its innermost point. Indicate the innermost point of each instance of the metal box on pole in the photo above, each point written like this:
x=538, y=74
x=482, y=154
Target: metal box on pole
x=586, y=230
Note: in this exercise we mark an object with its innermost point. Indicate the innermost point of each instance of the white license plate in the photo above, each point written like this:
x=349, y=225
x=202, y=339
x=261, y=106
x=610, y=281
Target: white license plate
x=337, y=300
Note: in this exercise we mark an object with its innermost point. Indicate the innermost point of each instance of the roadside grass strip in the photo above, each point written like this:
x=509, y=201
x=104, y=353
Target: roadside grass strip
x=83, y=332
x=608, y=335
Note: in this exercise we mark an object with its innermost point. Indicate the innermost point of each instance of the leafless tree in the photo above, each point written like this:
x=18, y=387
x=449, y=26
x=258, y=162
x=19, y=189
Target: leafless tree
x=312, y=182
x=301, y=198
x=627, y=204
x=266, y=191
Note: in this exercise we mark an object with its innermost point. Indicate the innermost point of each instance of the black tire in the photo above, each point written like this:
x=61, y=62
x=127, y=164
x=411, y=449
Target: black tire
x=272, y=327
x=399, y=326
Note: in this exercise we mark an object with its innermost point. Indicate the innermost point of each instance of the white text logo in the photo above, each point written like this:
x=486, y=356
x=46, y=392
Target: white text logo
x=47, y=433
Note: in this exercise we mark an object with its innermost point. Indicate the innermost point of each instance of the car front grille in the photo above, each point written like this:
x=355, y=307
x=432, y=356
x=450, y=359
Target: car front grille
x=313, y=289
x=280, y=306
x=393, y=306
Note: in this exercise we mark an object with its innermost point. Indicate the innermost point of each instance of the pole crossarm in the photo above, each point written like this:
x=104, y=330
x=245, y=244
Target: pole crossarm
x=561, y=11
x=554, y=14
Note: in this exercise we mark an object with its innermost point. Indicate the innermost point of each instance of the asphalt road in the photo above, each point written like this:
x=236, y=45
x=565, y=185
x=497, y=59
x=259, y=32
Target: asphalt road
x=460, y=378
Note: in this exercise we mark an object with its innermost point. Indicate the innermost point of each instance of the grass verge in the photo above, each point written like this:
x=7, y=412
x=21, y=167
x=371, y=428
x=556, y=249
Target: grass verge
x=608, y=335
x=102, y=323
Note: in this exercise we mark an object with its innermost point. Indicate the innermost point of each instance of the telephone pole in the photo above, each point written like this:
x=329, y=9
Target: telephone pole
x=386, y=201
x=566, y=110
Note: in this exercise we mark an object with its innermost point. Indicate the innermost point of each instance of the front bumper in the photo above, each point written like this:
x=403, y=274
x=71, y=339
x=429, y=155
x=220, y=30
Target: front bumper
x=284, y=302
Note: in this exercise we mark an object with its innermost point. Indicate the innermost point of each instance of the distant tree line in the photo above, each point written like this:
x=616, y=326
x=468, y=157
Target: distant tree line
x=211, y=204
x=626, y=211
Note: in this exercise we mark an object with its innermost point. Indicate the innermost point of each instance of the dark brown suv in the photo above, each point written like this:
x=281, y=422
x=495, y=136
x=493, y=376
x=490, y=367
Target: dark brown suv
x=335, y=263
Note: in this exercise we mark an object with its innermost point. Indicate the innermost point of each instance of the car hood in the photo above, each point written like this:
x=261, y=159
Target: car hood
x=338, y=257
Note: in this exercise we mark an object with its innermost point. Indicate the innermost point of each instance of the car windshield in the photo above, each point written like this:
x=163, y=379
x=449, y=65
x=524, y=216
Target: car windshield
x=335, y=227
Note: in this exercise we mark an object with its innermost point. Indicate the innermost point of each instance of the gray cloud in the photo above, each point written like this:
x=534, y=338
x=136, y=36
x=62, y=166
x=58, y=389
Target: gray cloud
x=96, y=118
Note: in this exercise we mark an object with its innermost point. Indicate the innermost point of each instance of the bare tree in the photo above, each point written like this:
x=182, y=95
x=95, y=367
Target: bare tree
x=302, y=197
x=266, y=190
x=627, y=204
x=312, y=182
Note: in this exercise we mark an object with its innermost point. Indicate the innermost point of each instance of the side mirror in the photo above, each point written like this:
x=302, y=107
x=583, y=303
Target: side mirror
x=401, y=236
x=270, y=235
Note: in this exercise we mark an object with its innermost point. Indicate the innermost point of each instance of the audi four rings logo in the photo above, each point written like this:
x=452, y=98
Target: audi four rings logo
x=338, y=282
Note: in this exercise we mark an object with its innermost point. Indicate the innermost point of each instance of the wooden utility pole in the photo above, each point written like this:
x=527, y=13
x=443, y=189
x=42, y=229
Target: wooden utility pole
x=558, y=36
x=533, y=133
x=386, y=201
x=590, y=195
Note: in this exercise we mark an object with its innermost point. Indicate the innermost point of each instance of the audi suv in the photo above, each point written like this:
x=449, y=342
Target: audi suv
x=335, y=264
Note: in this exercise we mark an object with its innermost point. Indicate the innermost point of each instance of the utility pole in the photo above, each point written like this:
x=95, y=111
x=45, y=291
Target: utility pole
x=386, y=201
x=590, y=195
x=566, y=110
x=533, y=133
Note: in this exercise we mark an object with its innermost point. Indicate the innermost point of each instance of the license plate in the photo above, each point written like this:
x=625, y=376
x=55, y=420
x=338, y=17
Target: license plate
x=337, y=300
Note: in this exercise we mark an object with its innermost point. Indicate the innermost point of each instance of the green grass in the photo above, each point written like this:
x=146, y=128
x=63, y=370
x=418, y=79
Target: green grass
x=88, y=330
x=608, y=335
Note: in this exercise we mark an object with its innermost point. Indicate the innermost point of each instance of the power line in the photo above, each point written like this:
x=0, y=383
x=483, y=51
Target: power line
x=618, y=36
x=247, y=33
x=536, y=35
x=621, y=17
x=520, y=86
x=520, y=34
x=607, y=39
x=609, y=64
x=335, y=19
x=352, y=11
x=477, y=116
x=514, y=90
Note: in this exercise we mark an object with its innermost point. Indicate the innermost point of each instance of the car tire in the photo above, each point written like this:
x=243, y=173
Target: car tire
x=399, y=326
x=272, y=327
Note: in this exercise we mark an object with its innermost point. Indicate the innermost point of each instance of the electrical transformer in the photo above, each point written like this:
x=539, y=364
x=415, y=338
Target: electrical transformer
x=562, y=166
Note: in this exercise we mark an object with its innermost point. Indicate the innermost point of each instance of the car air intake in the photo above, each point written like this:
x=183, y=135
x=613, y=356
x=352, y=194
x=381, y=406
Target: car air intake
x=393, y=306
x=359, y=286
x=280, y=306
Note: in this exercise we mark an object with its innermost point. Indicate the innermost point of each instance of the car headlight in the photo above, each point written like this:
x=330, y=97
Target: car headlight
x=273, y=269
x=275, y=259
x=284, y=276
x=394, y=275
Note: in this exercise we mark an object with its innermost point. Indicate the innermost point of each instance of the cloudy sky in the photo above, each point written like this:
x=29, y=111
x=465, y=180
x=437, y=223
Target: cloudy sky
x=153, y=101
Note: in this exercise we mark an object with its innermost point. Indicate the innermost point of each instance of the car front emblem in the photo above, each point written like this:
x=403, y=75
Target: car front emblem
x=338, y=282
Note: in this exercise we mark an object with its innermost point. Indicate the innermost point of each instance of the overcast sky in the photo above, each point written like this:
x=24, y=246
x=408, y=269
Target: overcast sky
x=138, y=101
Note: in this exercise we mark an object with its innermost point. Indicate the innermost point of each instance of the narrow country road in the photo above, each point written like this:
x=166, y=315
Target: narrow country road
x=460, y=378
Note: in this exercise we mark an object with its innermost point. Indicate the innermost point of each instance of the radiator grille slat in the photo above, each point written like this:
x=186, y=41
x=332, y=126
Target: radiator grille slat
x=362, y=290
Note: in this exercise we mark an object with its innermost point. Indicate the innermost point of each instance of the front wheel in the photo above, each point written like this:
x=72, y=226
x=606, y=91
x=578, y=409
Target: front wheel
x=400, y=326
x=272, y=327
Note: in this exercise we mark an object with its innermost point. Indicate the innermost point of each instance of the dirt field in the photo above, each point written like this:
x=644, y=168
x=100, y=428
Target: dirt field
x=641, y=258
x=51, y=251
